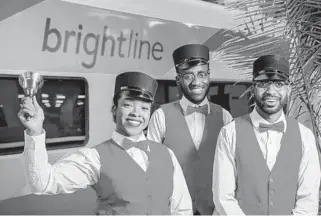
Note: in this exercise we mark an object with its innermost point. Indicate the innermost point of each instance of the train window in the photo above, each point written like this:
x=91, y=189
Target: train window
x=224, y=94
x=65, y=105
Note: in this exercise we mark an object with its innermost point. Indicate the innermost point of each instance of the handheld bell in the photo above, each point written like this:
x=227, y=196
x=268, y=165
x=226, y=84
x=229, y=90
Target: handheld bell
x=30, y=82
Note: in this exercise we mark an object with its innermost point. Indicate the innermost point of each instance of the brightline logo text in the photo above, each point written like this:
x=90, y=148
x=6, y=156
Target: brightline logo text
x=104, y=43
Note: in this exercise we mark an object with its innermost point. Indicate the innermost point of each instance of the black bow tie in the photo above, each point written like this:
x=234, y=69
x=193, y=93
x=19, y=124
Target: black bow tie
x=276, y=127
x=201, y=109
x=127, y=144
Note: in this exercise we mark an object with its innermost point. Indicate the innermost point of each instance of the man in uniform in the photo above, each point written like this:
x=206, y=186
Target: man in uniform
x=130, y=174
x=190, y=126
x=267, y=163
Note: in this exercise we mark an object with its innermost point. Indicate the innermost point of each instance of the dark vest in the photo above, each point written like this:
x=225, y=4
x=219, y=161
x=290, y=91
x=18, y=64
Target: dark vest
x=124, y=188
x=197, y=165
x=259, y=190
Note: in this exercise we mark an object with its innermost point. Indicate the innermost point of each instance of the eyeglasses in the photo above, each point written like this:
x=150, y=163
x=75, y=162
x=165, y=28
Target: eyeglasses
x=188, y=77
x=277, y=84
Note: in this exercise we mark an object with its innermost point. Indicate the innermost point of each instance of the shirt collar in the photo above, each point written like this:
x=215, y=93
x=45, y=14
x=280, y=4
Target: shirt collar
x=184, y=102
x=119, y=138
x=257, y=119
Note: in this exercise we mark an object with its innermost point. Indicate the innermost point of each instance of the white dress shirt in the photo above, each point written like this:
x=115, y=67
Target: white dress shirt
x=195, y=122
x=82, y=169
x=225, y=173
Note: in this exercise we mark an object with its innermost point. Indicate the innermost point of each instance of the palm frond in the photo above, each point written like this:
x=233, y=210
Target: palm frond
x=290, y=28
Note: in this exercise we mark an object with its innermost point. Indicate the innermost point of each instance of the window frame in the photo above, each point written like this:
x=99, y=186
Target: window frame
x=19, y=148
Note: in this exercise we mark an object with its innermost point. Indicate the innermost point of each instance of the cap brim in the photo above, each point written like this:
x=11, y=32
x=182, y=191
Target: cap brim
x=139, y=95
x=271, y=76
x=192, y=63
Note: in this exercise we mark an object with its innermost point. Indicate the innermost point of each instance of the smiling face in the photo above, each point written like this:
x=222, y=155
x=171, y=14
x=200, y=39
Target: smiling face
x=194, y=82
x=271, y=97
x=131, y=115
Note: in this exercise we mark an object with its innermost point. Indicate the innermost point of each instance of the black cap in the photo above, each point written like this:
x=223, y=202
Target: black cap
x=136, y=84
x=190, y=55
x=271, y=67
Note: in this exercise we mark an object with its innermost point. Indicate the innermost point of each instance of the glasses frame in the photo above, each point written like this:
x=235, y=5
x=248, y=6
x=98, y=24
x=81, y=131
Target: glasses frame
x=207, y=73
x=271, y=82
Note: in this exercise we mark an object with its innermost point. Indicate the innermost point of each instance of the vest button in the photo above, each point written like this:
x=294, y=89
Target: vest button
x=271, y=191
x=271, y=203
x=271, y=180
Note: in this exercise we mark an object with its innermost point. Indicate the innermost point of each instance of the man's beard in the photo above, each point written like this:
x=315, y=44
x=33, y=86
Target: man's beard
x=268, y=110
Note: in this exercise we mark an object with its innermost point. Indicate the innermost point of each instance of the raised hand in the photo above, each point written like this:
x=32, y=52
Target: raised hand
x=31, y=115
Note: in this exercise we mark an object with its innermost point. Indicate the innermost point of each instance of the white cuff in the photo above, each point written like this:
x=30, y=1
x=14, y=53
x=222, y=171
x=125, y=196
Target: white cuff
x=34, y=142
